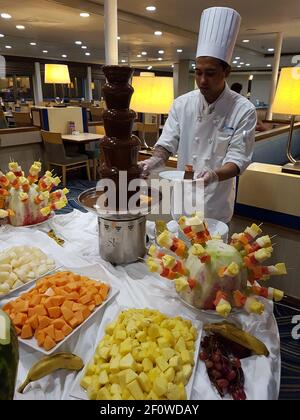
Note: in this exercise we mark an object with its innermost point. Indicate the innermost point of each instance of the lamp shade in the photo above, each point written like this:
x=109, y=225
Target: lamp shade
x=152, y=95
x=57, y=73
x=287, y=98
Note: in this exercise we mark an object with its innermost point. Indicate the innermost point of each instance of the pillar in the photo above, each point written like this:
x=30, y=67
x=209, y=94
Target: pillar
x=275, y=74
x=37, y=84
x=111, y=32
x=89, y=90
x=182, y=78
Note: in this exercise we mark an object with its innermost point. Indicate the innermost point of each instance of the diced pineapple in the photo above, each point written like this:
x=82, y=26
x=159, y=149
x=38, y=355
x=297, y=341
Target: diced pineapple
x=115, y=364
x=110, y=328
x=175, y=362
x=125, y=394
x=141, y=336
x=152, y=396
x=160, y=386
x=145, y=382
x=190, y=345
x=180, y=345
x=103, y=394
x=130, y=376
x=139, y=368
x=115, y=389
x=103, y=378
x=86, y=382
x=168, y=352
x=170, y=374
x=185, y=356
x=153, y=331
x=173, y=392
x=127, y=362
x=182, y=395
x=116, y=397
x=104, y=352
x=135, y=390
x=126, y=346
x=147, y=364
x=114, y=350
x=187, y=372
x=162, y=363
x=154, y=373
x=90, y=369
x=120, y=334
x=162, y=342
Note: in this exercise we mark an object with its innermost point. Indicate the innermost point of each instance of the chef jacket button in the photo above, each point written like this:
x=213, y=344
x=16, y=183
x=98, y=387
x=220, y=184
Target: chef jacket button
x=197, y=138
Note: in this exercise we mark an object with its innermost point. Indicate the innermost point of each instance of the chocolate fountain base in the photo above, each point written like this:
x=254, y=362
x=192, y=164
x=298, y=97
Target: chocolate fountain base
x=122, y=241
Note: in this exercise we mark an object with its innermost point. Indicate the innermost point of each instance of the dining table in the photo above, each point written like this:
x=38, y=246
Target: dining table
x=82, y=138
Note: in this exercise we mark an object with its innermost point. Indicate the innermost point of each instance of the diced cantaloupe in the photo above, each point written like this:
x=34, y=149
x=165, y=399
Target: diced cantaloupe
x=26, y=332
x=34, y=322
x=59, y=335
x=54, y=312
x=86, y=312
x=40, y=337
x=98, y=300
x=20, y=319
x=39, y=310
x=59, y=323
x=74, y=322
x=86, y=299
x=49, y=343
x=50, y=331
x=67, y=329
x=22, y=306
x=35, y=300
x=44, y=321
x=67, y=313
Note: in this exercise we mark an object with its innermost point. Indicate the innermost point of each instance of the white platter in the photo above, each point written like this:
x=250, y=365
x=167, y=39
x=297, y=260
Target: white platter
x=33, y=343
x=79, y=393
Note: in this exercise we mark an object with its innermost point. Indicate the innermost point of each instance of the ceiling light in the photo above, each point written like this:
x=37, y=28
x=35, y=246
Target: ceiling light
x=2, y=36
x=144, y=53
x=248, y=65
x=242, y=63
x=84, y=47
x=269, y=65
x=239, y=66
x=8, y=47
x=84, y=15
x=149, y=68
x=64, y=56
x=20, y=27
x=139, y=56
x=237, y=58
x=5, y=16
x=246, y=41
x=123, y=61
x=172, y=66
x=159, y=59
x=78, y=42
x=179, y=51
x=158, y=33
x=234, y=62
x=119, y=38
x=33, y=44
x=161, y=52
x=45, y=51
x=151, y=8
x=271, y=49
x=87, y=53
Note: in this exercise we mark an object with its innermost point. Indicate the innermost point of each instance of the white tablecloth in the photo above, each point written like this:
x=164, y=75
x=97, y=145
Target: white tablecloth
x=138, y=289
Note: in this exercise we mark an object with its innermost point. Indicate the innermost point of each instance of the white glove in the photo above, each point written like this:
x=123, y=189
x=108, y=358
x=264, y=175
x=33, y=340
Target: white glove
x=209, y=176
x=147, y=166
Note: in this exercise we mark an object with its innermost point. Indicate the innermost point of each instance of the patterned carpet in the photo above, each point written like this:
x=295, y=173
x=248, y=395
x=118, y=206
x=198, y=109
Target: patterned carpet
x=290, y=348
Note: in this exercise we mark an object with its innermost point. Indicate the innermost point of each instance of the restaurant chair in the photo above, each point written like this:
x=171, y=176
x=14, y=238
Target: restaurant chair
x=56, y=156
x=3, y=121
x=93, y=151
x=96, y=113
x=22, y=119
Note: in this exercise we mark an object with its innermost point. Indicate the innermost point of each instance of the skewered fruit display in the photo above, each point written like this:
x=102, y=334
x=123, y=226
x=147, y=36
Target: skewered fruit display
x=9, y=357
x=29, y=200
x=144, y=355
x=21, y=264
x=55, y=307
x=212, y=275
x=50, y=364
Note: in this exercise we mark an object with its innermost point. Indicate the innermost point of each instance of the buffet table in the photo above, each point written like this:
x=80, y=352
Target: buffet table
x=137, y=289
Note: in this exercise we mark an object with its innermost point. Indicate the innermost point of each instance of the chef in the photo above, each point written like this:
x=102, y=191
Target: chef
x=212, y=128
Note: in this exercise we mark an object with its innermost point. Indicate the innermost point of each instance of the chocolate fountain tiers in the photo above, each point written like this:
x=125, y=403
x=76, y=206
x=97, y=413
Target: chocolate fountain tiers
x=119, y=149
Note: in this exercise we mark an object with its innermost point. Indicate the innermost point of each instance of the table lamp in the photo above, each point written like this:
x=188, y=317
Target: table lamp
x=287, y=101
x=152, y=95
x=57, y=73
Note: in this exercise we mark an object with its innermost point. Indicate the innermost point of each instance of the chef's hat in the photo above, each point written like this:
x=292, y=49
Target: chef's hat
x=219, y=28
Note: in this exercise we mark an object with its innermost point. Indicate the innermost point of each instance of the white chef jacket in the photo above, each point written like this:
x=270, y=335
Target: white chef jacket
x=211, y=136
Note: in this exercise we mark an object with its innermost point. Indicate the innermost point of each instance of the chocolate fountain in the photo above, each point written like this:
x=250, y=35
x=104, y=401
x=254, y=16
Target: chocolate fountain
x=122, y=234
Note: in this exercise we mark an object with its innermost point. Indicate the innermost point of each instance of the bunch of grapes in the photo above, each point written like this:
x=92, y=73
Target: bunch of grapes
x=223, y=367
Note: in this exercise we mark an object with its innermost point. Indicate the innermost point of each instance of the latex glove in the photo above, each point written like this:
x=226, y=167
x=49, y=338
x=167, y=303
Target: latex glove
x=147, y=166
x=209, y=176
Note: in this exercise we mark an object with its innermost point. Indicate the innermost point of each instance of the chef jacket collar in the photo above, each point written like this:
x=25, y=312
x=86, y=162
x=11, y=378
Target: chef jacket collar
x=207, y=108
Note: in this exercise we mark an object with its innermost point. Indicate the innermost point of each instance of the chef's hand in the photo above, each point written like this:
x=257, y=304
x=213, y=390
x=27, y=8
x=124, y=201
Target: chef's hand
x=147, y=166
x=208, y=176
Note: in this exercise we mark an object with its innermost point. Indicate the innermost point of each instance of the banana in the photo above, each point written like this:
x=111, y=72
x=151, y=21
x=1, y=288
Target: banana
x=235, y=334
x=50, y=364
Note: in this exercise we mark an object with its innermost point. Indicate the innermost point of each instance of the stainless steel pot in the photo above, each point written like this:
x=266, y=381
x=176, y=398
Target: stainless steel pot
x=122, y=241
